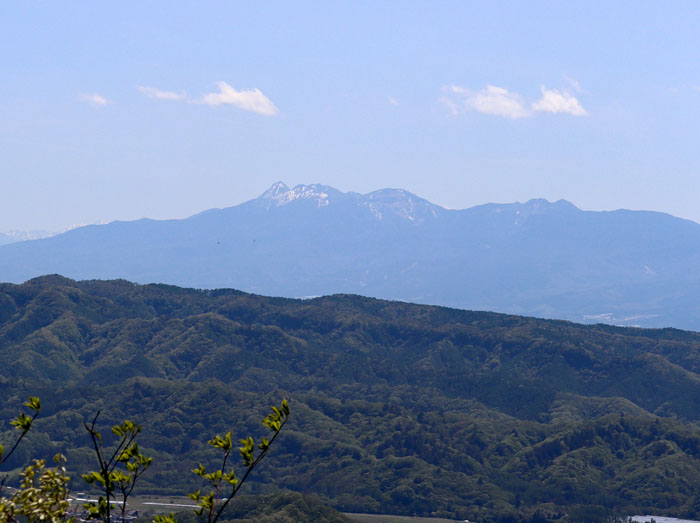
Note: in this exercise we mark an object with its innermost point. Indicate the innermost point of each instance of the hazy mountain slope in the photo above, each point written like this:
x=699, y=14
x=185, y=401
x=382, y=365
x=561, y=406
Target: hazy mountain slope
x=537, y=258
x=5, y=239
x=396, y=407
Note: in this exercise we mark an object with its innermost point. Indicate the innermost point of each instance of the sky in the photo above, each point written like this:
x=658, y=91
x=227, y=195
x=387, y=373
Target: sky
x=122, y=110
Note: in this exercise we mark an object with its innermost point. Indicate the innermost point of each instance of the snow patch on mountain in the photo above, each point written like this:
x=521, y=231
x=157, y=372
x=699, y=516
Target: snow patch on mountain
x=280, y=194
x=16, y=235
x=20, y=236
x=381, y=203
x=400, y=203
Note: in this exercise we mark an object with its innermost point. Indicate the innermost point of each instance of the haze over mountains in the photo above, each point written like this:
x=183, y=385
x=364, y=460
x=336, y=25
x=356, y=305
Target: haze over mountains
x=17, y=235
x=535, y=258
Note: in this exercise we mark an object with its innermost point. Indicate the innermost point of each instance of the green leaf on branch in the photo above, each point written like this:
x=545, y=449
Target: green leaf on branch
x=214, y=476
x=222, y=443
x=169, y=518
x=213, y=504
x=230, y=478
x=22, y=422
x=247, y=451
x=33, y=403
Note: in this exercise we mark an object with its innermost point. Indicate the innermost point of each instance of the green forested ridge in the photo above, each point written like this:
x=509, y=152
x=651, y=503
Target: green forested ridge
x=398, y=408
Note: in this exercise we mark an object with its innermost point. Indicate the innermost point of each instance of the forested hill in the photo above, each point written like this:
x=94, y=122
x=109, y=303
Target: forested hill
x=396, y=407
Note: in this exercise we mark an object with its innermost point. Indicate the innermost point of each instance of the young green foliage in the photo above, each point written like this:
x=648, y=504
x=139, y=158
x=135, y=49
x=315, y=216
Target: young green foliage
x=43, y=494
x=117, y=473
x=163, y=518
x=212, y=505
x=42, y=497
x=23, y=422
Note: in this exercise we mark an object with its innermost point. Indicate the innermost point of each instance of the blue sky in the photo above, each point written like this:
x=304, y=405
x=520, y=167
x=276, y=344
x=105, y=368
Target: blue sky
x=162, y=109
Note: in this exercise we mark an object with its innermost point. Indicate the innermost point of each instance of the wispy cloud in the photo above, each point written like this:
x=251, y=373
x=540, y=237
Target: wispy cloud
x=94, y=99
x=393, y=101
x=554, y=101
x=490, y=100
x=249, y=100
x=154, y=92
x=575, y=84
x=499, y=101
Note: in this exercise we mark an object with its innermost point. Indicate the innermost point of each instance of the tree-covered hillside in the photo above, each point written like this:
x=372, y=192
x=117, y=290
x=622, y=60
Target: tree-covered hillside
x=396, y=407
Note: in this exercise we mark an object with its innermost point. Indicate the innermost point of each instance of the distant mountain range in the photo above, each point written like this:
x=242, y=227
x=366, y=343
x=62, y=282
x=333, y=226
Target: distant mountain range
x=21, y=236
x=536, y=258
x=17, y=235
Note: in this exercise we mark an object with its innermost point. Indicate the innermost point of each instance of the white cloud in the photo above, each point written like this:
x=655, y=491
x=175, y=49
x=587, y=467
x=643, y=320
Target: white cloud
x=393, y=101
x=554, y=101
x=94, y=99
x=502, y=102
x=490, y=100
x=249, y=100
x=153, y=92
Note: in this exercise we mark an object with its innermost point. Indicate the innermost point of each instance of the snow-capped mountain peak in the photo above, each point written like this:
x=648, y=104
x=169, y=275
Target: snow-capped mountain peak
x=280, y=194
x=274, y=191
x=382, y=203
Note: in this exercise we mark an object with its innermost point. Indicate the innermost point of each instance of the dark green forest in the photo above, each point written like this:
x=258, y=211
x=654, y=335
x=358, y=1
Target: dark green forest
x=396, y=408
